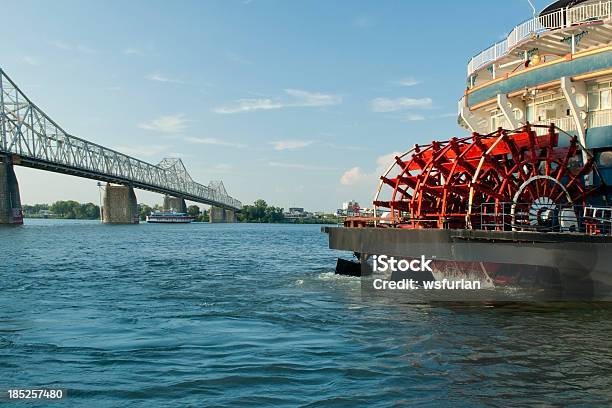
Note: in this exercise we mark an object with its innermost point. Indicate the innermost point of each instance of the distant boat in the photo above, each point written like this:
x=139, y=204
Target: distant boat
x=169, y=217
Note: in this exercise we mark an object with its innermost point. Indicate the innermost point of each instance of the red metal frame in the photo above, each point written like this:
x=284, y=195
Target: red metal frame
x=442, y=184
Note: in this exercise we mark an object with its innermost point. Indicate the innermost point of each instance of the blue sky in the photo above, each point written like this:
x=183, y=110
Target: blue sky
x=300, y=103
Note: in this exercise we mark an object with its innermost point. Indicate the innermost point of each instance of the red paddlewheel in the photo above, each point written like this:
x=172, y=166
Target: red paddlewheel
x=507, y=178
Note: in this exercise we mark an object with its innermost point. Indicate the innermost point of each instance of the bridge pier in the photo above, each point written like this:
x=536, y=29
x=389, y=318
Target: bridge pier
x=10, y=201
x=221, y=215
x=174, y=203
x=230, y=216
x=216, y=215
x=119, y=205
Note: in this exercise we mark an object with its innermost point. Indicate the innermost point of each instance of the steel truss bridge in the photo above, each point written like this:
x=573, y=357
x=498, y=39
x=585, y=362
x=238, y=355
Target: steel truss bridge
x=33, y=139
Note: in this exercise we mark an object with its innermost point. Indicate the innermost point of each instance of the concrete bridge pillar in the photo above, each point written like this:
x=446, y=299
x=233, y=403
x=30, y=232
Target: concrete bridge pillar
x=10, y=201
x=222, y=215
x=119, y=206
x=217, y=215
x=174, y=203
x=230, y=216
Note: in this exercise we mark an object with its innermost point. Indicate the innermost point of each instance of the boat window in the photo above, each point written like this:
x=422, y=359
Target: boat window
x=530, y=113
x=605, y=101
x=605, y=159
x=594, y=100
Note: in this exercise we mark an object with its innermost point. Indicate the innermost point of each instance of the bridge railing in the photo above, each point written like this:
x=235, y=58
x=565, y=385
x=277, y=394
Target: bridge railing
x=27, y=131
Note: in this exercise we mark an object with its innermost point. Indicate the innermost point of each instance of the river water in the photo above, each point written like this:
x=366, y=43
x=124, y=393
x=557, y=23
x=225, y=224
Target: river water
x=252, y=315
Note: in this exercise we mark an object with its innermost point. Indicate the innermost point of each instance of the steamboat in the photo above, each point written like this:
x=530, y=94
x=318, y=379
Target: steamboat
x=169, y=217
x=521, y=203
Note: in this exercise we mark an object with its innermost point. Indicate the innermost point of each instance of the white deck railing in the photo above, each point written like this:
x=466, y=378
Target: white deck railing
x=595, y=119
x=566, y=124
x=557, y=19
x=600, y=118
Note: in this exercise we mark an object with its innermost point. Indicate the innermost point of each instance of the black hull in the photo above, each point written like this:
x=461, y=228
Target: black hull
x=509, y=266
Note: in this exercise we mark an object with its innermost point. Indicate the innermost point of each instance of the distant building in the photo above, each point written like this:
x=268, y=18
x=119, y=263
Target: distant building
x=349, y=209
x=299, y=213
x=296, y=210
x=367, y=212
x=295, y=213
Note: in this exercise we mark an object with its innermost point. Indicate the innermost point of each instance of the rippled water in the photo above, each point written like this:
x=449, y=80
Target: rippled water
x=252, y=315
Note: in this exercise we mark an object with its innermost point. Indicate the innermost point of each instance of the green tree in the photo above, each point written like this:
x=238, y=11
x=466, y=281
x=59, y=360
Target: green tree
x=34, y=210
x=260, y=212
x=204, y=217
x=143, y=211
x=274, y=214
x=74, y=210
x=89, y=211
x=194, y=211
x=65, y=209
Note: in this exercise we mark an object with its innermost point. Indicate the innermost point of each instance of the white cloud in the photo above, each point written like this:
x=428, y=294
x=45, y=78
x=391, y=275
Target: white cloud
x=393, y=105
x=167, y=124
x=60, y=44
x=352, y=176
x=342, y=146
x=133, y=51
x=414, y=117
x=356, y=176
x=85, y=49
x=178, y=155
x=297, y=98
x=31, y=61
x=446, y=115
x=305, y=98
x=383, y=162
x=142, y=150
x=408, y=81
x=298, y=166
x=213, y=141
x=290, y=144
x=71, y=47
x=248, y=105
x=158, y=77
x=146, y=51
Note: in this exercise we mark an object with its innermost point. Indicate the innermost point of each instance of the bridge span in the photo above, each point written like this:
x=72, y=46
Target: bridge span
x=29, y=137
